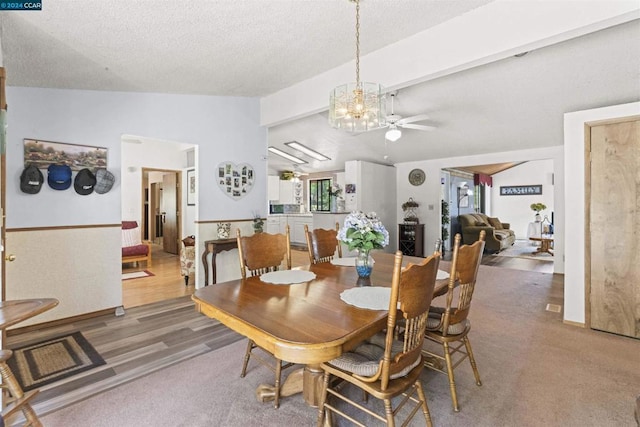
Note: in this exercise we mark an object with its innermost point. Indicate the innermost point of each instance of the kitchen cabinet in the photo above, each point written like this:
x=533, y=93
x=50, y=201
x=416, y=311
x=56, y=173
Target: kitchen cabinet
x=278, y=224
x=273, y=225
x=297, y=229
x=286, y=192
x=273, y=187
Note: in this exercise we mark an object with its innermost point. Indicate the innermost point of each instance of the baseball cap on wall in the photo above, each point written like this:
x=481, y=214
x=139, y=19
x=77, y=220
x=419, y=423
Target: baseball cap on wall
x=31, y=180
x=84, y=182
x=59, y=176
x=104, y=181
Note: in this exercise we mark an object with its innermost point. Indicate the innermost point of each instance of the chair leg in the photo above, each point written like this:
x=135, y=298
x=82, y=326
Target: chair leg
x=425, y=407
x=452, y=382
x=472, y=360
x=247, y=355
x=388, y=410
x=323, y=398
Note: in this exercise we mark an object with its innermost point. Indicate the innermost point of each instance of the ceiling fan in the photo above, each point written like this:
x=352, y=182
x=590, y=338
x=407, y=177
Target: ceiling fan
x=395, y=122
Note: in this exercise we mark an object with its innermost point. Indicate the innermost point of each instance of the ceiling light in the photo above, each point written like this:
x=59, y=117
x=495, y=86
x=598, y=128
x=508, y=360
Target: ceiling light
x=393, y=134
x=359, y=106
x=306, y=150
x=286, y=155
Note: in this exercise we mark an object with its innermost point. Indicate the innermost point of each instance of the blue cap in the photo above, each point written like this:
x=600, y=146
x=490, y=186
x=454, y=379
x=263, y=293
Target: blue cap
x=59, y=177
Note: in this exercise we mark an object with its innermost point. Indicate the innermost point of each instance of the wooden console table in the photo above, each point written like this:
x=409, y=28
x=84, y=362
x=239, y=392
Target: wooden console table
x=214, y=247
x=12, y=312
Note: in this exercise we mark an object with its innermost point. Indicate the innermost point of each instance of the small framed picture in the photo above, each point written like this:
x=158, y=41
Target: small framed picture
x=191, y=187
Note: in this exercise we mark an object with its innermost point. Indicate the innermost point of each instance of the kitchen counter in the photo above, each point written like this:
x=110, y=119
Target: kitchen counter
x=308, y=214
x=331, y=213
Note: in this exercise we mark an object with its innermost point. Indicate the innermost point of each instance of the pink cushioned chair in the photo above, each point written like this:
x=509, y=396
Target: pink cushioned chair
x=133, y=248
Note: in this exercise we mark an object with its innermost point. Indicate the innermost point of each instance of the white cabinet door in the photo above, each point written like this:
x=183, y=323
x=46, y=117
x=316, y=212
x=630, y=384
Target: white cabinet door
x=273, y=225
x=297, y=231
x=273, y=187
x=286, y=193
x=282, y=226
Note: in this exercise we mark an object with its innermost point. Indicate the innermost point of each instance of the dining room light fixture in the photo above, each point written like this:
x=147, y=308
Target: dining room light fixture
x=306, y=150
x=286, y=155
x=359, y=106
x=393, y=134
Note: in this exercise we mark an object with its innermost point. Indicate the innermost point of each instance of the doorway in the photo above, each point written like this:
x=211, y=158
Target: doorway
x=161, y=219
x=153, y=173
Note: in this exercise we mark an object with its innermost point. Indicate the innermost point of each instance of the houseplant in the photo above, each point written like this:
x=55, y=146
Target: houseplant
x=258, y=223
x=409, y=208
x=363, y=232
x=445, y=220
x=537, y=207
x=335, y=192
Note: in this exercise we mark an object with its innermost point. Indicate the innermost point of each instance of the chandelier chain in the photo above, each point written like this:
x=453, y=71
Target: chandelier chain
x=357, y=43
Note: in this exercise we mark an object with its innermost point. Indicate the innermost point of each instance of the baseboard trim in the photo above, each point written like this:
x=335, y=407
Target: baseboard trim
x=572, y=323
x=58, y=322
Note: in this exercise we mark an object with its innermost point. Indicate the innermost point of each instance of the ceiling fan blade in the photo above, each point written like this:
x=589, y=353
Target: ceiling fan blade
x=418, y=127
x=412, y=119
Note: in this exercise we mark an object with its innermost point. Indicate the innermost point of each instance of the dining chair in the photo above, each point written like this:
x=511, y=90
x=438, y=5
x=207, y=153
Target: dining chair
x=262, y=253
x=449, y=326
x=386, y=365
x=322, y=244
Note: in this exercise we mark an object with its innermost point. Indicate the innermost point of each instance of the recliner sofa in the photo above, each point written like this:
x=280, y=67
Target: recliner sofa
x=499, y=236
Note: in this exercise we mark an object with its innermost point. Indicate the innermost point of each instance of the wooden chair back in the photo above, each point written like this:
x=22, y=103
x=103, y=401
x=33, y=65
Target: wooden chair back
x=263, y=252
x=464, y=272
x=322, y=244
x=411, y=292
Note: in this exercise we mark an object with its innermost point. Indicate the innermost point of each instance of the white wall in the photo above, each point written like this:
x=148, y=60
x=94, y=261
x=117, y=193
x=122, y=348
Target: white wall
x=516, y=210
x=429, y=193
x=574, y=135
x=155, y=155
x=375, y=192
x=223, y=128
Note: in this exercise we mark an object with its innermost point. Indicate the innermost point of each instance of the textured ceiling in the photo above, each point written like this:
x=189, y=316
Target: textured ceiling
x=212, y=47
x=258, y=47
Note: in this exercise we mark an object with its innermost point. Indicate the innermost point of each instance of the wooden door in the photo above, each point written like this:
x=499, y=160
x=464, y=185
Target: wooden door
x=170, y=209
x=614, y=226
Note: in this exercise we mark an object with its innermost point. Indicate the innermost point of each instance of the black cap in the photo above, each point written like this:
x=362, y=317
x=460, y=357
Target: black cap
x=84, y=182
x=31, y=180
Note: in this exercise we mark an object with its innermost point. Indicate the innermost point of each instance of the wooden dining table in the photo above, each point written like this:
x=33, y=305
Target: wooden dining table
x=305, y=323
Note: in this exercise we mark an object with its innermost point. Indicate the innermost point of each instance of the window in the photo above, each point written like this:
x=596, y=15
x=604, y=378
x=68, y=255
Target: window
x=319, y=200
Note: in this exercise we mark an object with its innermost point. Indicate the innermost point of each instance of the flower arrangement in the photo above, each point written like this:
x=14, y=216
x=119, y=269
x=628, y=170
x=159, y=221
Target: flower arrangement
x=363, y=232
x=335, y=190
x=537, y=207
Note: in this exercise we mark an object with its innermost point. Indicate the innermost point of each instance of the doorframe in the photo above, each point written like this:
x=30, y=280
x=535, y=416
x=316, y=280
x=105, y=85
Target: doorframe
x=145, y=171
x=587, y=208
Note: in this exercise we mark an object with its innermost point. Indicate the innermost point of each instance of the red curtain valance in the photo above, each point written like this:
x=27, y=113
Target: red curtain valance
x=482, y=179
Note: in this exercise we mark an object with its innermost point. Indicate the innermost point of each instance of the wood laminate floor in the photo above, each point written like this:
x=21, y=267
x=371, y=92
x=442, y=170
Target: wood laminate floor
x=161, y=328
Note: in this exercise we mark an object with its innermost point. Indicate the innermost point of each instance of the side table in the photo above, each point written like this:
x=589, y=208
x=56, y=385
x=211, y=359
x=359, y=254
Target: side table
x=214, y=247
x=12, y=312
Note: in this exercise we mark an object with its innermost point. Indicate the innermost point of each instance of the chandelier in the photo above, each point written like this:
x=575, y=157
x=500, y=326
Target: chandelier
x=359, y=106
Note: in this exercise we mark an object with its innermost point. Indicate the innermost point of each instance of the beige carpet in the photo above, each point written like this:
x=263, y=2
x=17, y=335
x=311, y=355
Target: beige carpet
x=536, y=371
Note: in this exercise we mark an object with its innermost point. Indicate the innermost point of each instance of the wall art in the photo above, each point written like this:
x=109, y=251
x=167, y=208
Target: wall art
x=521, y=190
x=191, y=187
x=43, y=153
x=235, y=180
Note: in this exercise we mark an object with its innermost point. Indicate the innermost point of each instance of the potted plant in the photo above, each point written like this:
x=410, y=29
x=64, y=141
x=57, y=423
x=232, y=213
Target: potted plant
x=537, y=207
x=258, y=223
x=445, y=220
x=409, y=208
